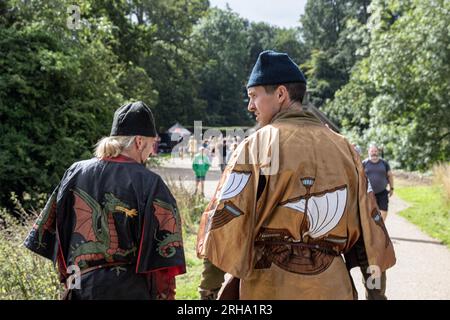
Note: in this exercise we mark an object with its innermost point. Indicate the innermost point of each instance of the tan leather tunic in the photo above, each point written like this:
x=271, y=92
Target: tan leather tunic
x=292, y=200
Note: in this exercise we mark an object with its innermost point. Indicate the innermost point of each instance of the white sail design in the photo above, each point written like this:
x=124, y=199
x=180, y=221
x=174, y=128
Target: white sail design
x=324, y=212
x=235, y=183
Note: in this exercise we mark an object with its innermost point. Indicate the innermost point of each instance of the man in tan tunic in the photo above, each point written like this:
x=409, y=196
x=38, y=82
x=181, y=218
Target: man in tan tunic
x=291, y=214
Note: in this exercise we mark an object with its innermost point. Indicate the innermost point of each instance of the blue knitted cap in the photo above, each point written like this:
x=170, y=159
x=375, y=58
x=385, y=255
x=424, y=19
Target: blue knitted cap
x=274, y=68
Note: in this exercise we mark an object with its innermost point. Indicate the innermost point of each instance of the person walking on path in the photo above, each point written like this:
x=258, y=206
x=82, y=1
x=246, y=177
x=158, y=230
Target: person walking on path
x=380, y=175
x=113, y=222
x=200, y=165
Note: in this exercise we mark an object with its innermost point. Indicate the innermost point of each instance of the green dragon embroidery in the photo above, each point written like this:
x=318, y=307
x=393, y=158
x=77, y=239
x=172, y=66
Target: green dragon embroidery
x=96, y=225
x=169, y=220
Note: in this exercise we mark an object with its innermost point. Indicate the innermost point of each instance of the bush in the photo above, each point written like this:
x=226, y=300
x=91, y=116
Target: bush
x=23, y=274
x=190, y=206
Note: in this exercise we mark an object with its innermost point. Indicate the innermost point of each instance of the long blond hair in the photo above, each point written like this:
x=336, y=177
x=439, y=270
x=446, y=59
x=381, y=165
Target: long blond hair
x=109, y=147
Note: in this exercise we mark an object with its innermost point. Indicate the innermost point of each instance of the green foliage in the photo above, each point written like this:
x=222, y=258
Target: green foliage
x=262, y=36
x=153, y=38
x=323, y=32
x=351, y=104
x=221, y=41
x=135, y=84
x=228, y=47
x=23, y=275
x=57, y=96
x=399, y=94
x=333, y=32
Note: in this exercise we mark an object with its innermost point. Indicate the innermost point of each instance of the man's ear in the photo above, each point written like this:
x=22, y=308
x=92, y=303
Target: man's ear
x=138, y=142
x=282, y=93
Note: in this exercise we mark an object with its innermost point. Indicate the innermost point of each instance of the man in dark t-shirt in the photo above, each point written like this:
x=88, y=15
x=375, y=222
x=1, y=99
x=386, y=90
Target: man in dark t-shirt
x=380, y=175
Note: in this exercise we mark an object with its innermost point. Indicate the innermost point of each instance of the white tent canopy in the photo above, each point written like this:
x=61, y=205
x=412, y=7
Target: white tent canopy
x=179, y=129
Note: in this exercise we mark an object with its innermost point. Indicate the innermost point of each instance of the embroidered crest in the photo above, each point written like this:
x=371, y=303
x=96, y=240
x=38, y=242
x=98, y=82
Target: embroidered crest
x=324, y=210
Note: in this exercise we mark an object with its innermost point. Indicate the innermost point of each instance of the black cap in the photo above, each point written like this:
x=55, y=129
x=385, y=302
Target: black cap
x=274, y=68
x=133, y=119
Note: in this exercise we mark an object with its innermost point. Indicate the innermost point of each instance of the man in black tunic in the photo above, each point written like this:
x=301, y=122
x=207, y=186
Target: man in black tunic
x=111, y=225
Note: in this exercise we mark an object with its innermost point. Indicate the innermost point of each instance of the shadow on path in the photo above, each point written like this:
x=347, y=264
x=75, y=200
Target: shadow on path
x=418, y=240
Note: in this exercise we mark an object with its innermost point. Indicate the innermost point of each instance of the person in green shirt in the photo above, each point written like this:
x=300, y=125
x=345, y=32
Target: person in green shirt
x=200, y=165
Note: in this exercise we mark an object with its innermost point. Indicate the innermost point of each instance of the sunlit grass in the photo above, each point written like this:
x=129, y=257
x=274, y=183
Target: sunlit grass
x=428, y=210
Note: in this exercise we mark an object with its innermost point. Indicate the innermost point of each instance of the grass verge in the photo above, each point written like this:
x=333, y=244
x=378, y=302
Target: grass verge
x=429, y=210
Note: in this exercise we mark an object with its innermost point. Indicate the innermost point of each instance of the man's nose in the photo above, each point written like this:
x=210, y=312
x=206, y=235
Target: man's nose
x=251, y=106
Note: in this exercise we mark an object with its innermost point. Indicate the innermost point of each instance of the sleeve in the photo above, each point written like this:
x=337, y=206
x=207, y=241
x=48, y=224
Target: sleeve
x=364, y=163
x=227, y=227
x=42, y=237
x=161, y=244
x=45, y=236
x=376, y=242
x=388, y=167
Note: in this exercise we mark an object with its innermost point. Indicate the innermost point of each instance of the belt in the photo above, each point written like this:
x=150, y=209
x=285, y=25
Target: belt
x=66, y=295
x=114, y=264
x=298, y=244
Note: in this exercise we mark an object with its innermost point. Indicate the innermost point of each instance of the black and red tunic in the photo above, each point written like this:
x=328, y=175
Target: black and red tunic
x=116, y=223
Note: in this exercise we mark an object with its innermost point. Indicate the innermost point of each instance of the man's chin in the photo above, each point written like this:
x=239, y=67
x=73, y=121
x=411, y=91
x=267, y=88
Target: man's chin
x=259, y=125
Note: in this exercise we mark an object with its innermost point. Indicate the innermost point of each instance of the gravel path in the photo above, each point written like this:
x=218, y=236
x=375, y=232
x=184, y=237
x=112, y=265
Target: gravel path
x=423, y=264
